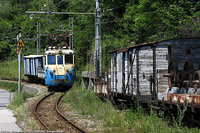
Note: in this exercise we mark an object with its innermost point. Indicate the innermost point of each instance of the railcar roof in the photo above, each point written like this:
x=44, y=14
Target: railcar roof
x=33, y=56
x=151, y=43
x=56, y=51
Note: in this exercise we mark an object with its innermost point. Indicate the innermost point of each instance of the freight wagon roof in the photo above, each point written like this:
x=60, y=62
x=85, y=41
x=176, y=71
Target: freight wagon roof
x=33, y=56
x=152, y=43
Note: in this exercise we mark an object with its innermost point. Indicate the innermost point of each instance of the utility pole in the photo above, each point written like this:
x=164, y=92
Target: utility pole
x=72, y=32
x=98, y=40
x=71, y=25
x=38, y=38
x=19, y=63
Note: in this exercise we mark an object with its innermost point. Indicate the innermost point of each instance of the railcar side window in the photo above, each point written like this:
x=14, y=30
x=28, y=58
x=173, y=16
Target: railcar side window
x=68, y=59
x=51, y=59
x=60, y=60
x=45, y=60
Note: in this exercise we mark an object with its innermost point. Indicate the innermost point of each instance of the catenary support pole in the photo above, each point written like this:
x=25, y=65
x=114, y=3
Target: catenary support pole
x=37, y=38
x=72, y=32
x=98, y=39
x=19, y=63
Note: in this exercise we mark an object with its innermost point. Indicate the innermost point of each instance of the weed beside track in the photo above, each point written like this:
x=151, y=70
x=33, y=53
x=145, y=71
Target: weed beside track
x=133, y=119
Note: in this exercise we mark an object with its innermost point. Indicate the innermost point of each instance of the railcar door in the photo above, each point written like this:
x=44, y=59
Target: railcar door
x=60, y=65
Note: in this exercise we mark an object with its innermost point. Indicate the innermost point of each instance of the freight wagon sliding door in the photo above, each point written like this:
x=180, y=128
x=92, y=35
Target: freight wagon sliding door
x=162, y=59
x=128, y=72
x=145, y=70
x=113, y=72
x=134, y=73
x=130, y=82
x=119, y=72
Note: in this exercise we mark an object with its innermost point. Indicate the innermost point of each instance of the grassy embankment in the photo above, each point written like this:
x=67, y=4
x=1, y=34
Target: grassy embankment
x=9, y=69
x=86, y=103
x=17, y=103
x=20, y=109
x=10, y=86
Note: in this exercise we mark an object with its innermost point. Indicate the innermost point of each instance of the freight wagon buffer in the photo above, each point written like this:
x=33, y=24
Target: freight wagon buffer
x=156, y=70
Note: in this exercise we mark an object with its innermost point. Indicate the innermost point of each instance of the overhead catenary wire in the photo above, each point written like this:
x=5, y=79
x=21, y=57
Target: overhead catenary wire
x=111, y=9
x=61, y=3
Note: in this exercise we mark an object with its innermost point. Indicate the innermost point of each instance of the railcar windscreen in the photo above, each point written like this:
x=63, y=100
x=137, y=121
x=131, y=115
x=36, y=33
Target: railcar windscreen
x=60, y=60
x=68, y=59
x=51, y=59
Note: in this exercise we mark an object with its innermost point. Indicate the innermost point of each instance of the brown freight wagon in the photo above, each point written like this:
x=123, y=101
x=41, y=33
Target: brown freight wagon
x=165, y=70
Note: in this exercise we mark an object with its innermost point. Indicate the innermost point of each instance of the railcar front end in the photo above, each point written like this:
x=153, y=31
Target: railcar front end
x=59, y=67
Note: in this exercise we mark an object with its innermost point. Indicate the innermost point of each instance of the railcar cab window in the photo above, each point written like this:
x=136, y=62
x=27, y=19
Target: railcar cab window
x=68, y=59
x=60, y=60
x=51, y=59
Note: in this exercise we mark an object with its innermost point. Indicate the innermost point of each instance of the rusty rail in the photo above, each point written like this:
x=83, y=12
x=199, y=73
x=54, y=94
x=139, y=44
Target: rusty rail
x=36, y=107
x=58, y=111
x=13, y=79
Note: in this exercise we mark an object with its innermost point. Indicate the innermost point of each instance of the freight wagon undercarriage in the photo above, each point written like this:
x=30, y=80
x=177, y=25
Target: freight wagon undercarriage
x=166, y=73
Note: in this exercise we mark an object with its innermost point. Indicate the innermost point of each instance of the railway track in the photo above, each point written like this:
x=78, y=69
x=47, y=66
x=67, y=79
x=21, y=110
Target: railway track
x=48, y=114
x=13, y=79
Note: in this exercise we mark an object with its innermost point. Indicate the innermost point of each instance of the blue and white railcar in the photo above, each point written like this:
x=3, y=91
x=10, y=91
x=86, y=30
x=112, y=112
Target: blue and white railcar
x=59, y=67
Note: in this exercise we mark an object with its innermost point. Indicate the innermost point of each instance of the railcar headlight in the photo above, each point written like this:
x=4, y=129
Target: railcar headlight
x=70, y=72
x=51, y=72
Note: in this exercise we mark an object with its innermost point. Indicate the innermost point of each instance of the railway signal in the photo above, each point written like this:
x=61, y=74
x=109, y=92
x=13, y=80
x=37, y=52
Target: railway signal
x=20, y=44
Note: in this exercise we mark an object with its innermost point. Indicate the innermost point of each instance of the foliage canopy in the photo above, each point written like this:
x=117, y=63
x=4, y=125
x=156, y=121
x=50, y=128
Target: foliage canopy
x=124, y=23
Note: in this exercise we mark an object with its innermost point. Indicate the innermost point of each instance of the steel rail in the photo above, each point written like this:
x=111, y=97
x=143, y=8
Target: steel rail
x=13, y=79
x=58, y=111
x=36, y=107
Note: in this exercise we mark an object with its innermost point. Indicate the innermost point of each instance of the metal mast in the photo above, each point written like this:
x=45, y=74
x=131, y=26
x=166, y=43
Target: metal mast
x=37, y=38
x=98, y=40
x=19, y=63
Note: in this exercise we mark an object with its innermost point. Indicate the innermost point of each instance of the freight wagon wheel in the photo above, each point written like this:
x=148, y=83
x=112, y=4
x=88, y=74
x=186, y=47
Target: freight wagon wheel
x=188, y=66
x=196, y=77
x=181, y=77
x=173, y=71
x=188, y=79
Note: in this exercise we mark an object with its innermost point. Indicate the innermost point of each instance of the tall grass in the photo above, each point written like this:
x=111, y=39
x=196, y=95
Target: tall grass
x=86, y=103
x=20, y=110
x=19, y=99
x=9, y=69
